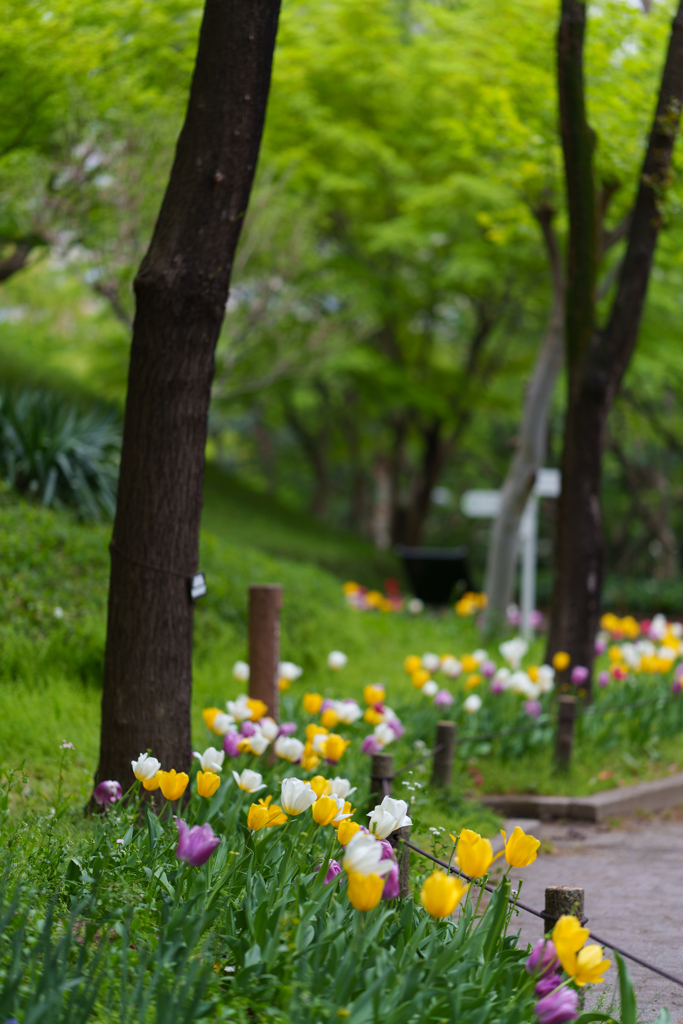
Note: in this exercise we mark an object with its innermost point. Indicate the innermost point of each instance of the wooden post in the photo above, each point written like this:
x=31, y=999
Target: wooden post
x=265, y=601
x=443, y=759
x=382, y=769
x=565, y=731
x=560, y=900
x=398, y=840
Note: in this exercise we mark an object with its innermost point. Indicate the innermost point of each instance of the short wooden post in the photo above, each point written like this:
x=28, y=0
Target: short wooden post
x=565, y=731
x=398, y=840
x=560, y=900
x=381, y=773
x=443, y=759
x=265, y=601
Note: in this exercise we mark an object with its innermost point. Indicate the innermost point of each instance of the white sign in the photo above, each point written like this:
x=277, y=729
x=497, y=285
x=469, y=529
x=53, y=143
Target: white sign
x=486, y=505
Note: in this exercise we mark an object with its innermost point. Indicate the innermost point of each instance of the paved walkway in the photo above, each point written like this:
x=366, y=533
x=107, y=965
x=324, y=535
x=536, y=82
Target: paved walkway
x=633, y=881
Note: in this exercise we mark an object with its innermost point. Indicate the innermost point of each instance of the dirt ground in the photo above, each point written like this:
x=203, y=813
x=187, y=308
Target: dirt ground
x=632, y=874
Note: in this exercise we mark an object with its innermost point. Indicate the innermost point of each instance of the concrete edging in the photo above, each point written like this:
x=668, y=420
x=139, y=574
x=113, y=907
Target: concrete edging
x=610, y=803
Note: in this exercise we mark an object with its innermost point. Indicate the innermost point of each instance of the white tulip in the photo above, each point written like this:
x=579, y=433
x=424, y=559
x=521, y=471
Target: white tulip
x=676, y=629
x=658, y=627
x=249, y=781
x=240, y=670
x=269, y=728
x=667, y=653
x=347, y=711
x=297, y=796
x=289, y=748
x=480, y=655
x=341, y=814
x=513, y=651
x=363, y=856
x=211, y=760
x=145, y=767
x=336, y=660
x=546, y=679
x=432, y=662
x=522, y=684
x=415, y=606
x=341, y=787
x=646, y=647
x=257, y=743
x=223, y=723
x=288, y=670
x=384, y=733
x=430, y=688
x=502, y=675
x=451, y=667
x=388, y=816
x=239, y=709
x=318, y=743
x=472, y=703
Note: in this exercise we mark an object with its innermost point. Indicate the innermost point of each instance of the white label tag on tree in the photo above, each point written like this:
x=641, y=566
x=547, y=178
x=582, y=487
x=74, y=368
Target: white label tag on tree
x=197, y=586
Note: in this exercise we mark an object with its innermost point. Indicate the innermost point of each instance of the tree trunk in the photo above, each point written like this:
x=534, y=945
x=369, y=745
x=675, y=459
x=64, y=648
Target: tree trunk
x=532, y=446
x=181, y=290
x=597, y=360
x=16, y=260
x=433, y=458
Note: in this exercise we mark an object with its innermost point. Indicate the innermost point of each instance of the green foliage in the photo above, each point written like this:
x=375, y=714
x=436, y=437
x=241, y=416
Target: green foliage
x=60, y=455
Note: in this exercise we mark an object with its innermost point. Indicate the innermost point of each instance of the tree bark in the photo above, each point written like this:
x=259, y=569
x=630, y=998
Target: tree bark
x=181, y=290
x=532, y=446
x=16, y=260
x=597, y=359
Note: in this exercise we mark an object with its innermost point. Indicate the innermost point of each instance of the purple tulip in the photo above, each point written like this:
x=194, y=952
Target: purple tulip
x=600, y=645
x=579, y=674
x=535, y=619
x=326, y=705
x=196, y=844
x=513, y=615
x=334, y=869
x=558, y=1007
x=107, y=792
x=371, y=745
x=532, y=708
x=678, y=674
x=497, y=686
x=603, y=678
x=487, y=668
x=392, y=887
x=230, y=744
x=547, y=985
x=676, y=686
x=287, y=729
x=543, y=959
x=443, y=699
x=397, y=727
x=248, y=728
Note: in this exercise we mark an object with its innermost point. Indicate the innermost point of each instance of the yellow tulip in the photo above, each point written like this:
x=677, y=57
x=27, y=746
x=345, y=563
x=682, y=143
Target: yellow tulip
x=372, y=716
x=207, y=783
x=374, y=598
x=614, y=653
x=419, y=678
x=324, y=810
x=209, y=714
x=364, y=891
x=153, y=783
x=350, y=587
x=441, y=893
x=346, y=831
x=173, y=784
x=472, y=681
x=520, y=849
x=561, y=661
x=258, y=709
x=469, y=664
x=412, y=663
x=329, y=718
x=258, y=817
x=532, y=673
x=321, y=786
x=334, y=747
x=375, y=692
x=590, y=966
x=311, y=703
x=474, y=855
x=283, y=684
x=314, y=730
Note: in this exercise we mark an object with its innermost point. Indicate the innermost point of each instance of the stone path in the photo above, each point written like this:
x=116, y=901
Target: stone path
x=633, y=881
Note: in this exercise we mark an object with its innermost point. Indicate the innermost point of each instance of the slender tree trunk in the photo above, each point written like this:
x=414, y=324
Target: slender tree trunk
x=596, y=359
x=532, y=446
x=181, y=290
x=17, y=259
x=433, y=456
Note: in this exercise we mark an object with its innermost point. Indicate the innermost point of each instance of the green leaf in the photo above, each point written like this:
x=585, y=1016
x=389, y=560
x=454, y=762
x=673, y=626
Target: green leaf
x=629, y=1012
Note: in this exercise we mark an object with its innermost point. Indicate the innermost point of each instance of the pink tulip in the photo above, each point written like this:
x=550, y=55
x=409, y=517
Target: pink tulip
x=443, y=699
x=196, y=844
x=248, y=728
x=230, y=744
x=579, y=674
x=603, y=678
x=371, y=745
x=107, y=792
x=287, y=729
x=488, y=667
x=532, y=708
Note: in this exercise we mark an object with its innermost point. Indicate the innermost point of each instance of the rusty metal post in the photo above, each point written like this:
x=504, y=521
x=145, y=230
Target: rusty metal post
x=443, y=759
x=565, y=731
x=265, y=601
x=560, y=900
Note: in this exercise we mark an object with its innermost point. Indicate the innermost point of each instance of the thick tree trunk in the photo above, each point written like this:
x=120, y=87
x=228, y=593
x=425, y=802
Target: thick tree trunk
x=16, y=260
x=597, y=360
x=531, y=449
x=181, y=291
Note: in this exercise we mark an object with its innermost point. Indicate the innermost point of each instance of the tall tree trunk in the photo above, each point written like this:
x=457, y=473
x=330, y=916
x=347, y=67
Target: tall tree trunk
x=532, y=444
x=181, y=290
x=433, y=457
x=596, y=359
